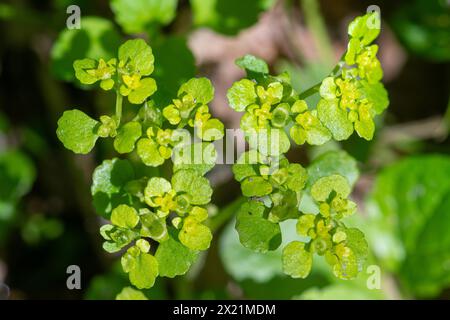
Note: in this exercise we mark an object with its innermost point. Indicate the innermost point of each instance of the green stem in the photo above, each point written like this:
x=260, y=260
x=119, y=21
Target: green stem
x=316, y=26
x=119, y=100
x=310, y=91
x=315, y=88
x=225, y=214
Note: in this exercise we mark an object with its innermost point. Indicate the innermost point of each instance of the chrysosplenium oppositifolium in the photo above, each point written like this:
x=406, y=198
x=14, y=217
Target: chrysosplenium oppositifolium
x=145, y=209
x=157, y=217
x=350, y=97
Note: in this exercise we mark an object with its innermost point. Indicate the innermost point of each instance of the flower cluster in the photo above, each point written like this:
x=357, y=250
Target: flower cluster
x=160, y=222
x=350, y=97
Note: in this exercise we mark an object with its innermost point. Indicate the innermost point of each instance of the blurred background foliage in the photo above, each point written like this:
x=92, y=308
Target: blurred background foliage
x=47, y=221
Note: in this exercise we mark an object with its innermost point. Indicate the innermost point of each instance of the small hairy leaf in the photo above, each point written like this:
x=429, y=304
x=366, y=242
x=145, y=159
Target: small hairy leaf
x=127, y=136
x=129, y=293
x=124, y=216
x=252, y=64
x=137, y=54
x=200, y=89
x=194, y=185
x=194, y=235
x=174, y=259
x=256, y=232
x=76, y=130
x=297, y=261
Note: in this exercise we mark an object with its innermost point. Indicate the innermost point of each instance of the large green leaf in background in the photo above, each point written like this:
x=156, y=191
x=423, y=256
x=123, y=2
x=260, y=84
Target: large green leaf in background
x=409, y=210
x=170, y=73
x=17, y=174
x=228, y=16
x=424, y=27
x=138, y=15
x=97, y=38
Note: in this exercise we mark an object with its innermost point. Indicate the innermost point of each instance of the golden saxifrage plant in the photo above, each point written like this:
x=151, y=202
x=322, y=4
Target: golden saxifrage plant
x=158, y=220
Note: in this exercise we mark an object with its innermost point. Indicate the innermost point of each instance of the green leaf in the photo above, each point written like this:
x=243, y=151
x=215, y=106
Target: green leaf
x=171, y=73
x=351, y=263
x=153, y=226
x=255, y=187
x=253, y=64
x=416, y=25
x=269, y=142
x=335, y=119
x=129, y=293
x=366, y=27
x=147, y=150
x=157, y=186
x=255, y=231
x=323, y=187
x=138, y=16
x=194, y=235
x=116, y=237
x=328, y=88
x=76, y=130
x=222, y=15
x=333, y=162
x=174, y=259
x=124, y=216
x=138, y=56
x=108, y=181
x=246, y=165
x=146, y=89
x=241, y=94
x=143, y=269
x=376, y=94
x=127, y=135
x=80, y=67
x=98, y=38
x=200, y=157
x=409, y=215
x=212, y=130
x=194, y=185
x=297, y=261
x=200, y=89
x=297, y=177
x=364, y=126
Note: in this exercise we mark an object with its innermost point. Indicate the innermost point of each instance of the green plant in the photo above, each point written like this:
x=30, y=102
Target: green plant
x=162, y=222
x=159, y=221
x=350, y=97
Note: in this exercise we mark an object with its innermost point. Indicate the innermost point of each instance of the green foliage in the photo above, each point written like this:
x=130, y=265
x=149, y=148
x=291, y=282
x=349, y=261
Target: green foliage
x=423, y=26
x=318, y=197
x=141, y=208
x=76, y=130
x=129, y=293
x=256, y=232
x=97, y=39
x=409, y=211
x=222, y=15
x=17, y=174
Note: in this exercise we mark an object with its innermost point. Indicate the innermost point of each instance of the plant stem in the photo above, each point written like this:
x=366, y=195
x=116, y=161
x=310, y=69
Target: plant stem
x=315, y=88
x=225, y=214
x=310, y=91
x=119, y=100
x=316, y=26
